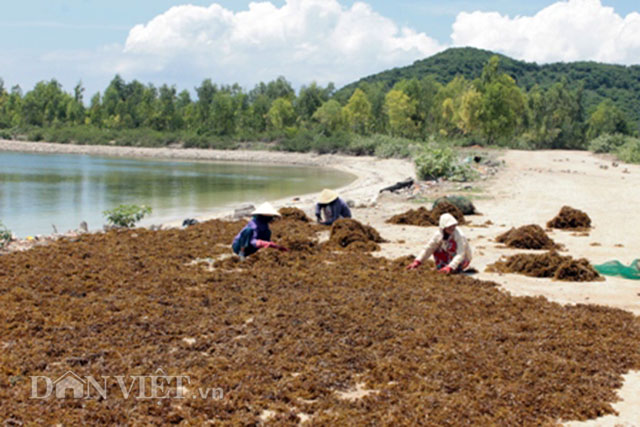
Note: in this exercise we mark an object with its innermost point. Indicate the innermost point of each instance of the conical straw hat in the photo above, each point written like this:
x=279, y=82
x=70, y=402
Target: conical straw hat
x=266, y=209
x=327, y=196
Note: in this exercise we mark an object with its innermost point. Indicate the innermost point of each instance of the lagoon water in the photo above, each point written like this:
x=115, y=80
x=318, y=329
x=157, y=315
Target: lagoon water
x=41, y=190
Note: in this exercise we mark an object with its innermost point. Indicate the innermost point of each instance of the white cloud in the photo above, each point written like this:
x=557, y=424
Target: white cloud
x=304, y=40
x=572, y=30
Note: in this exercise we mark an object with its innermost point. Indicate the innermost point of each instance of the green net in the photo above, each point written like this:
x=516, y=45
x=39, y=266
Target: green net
x=616, y=268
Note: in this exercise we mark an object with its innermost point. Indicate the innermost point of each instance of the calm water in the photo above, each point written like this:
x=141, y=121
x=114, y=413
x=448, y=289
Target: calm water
x=38, y=190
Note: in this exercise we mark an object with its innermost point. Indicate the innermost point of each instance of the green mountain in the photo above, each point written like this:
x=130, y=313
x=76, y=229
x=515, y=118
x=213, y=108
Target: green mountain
x=619, y=83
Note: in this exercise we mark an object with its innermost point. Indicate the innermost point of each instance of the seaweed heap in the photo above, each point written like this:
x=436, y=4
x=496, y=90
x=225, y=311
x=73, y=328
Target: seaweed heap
x=463, y=203
x=527, y=237
x=294, y=213
x=447, y=207
x=350, y=234
x=549, y=264
x=288, y=332
x=420, y=216
x=425, y=218
x=295, y=234
x=577, y=270
x=570, y=219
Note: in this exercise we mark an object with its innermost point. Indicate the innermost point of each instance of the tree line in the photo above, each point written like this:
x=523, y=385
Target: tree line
x=618, y=83
x=490, y=109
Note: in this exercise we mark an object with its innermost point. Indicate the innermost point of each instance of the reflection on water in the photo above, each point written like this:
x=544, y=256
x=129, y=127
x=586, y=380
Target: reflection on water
x=38, y=190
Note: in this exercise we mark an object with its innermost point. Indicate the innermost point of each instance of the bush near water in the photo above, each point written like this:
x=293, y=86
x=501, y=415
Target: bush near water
x=126, y=215
x=5, y=235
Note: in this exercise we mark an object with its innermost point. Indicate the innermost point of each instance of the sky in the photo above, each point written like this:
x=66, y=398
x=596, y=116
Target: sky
x=181, y=43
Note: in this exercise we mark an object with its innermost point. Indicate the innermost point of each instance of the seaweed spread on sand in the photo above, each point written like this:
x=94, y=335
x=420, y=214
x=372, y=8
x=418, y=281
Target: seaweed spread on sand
x=289, y=332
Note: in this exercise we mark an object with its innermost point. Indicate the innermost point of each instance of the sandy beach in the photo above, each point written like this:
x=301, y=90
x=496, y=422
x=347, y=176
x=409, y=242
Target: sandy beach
x=530, y=188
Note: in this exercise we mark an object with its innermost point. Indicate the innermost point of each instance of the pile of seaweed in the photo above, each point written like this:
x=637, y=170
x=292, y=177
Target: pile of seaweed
x=293, y=213
x=527, y=237
x=549, y=264
x=295, y=231
x=349, y=234
x=425, y=217
x=447, y=207
x=421, y=216
x=463, y=203
x=571, y=219
x=288, y=331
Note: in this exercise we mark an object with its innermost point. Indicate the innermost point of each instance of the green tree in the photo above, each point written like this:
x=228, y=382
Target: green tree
x=471, y=105
x=281, y=114
x=358, y=113
x=162, y=112
x=280, y=88
x=501, y=109
x=113, y=95
x=375, y=93
x=75, y=111
x=94, y=115
x=5, y=118
x=257, y=114
x=400, y=112
x=502, y=106
x=45, y=105
x=607, y=119
x=556, y=118
x=330, y=117
x=206, y=91
x=310, y=99
x=447, y=106
x=423, y=94
x=185, y=110
x=139, y=106
x=242, y=115
x=14, y=105
x=223, y=118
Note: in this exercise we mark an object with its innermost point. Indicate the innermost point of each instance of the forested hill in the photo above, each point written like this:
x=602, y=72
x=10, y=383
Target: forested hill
x=619, y=83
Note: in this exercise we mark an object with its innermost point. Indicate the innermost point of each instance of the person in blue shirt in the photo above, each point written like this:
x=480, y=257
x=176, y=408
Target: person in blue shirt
x=331, y=207
x=256, y=234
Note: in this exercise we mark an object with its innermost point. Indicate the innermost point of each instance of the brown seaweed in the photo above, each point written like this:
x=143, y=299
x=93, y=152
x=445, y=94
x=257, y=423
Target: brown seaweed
x=549, y=264
x=425, y=218
x=570, y=218
x=289, y=330
x=579, y=270
x=350, y=234
x=527, y=237
x=421, y=217
x=294, y=214
x=447, y=207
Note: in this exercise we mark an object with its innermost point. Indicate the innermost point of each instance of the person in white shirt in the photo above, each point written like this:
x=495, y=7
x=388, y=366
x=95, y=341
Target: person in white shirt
x=449, y=247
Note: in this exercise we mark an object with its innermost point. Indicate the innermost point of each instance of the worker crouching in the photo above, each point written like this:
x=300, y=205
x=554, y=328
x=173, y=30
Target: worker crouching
x=256, y=234
x=449, y=247
x=332, y=207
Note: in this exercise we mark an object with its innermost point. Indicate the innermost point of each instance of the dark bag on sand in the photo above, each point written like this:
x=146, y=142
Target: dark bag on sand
x=189, y=221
